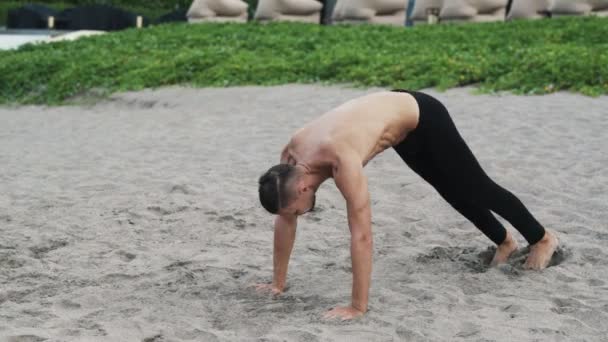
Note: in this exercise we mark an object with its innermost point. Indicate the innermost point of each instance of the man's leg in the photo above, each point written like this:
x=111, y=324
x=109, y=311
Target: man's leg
x=482, y=218
x=457, y=164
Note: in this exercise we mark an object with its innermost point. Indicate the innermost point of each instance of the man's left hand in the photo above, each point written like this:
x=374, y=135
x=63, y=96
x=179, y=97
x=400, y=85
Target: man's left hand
x=344, y=313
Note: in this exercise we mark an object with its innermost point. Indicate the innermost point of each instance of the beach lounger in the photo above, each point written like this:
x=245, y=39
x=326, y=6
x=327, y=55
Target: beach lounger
x=388, y=12
x=217, y=11
x=473, y=10
x=580, y=7
x=289, y=10
x=529, y=9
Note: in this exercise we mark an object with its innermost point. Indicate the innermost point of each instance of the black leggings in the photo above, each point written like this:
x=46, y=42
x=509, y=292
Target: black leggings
x=436, y=151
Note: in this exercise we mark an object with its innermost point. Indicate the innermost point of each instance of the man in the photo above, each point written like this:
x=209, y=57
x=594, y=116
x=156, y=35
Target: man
x=341, y=142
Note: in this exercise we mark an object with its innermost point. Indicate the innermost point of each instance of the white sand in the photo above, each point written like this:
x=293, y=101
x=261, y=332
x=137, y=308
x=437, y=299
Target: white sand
x=137, y=219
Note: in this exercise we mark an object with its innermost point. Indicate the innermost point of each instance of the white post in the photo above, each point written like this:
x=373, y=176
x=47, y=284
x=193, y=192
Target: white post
x=51, y=22
x=140, y=21
x=432, y=15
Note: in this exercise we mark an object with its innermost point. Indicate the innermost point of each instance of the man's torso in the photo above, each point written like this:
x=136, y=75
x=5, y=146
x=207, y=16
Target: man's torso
x=366, y=125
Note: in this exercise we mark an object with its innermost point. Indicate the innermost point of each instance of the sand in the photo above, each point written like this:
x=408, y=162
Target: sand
x=137, y=219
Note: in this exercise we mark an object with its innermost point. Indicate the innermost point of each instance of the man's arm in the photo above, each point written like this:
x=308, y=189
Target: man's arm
x=352, y=183
x=284, y=236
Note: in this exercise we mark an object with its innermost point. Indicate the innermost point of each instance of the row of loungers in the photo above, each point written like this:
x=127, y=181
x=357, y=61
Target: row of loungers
x=393, y=12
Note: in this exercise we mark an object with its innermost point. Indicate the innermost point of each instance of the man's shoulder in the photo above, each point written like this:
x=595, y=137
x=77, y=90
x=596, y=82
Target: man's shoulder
x=338, y=154
x=329, y=149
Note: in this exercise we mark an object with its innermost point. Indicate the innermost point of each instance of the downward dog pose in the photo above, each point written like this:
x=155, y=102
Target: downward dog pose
x=341, y=142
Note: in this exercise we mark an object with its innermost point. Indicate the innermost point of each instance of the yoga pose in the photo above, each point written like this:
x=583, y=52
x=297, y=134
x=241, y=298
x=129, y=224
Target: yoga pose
x=419, y=128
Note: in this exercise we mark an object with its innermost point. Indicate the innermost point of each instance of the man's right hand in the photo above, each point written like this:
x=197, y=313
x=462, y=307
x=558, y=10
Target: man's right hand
x=268, y=288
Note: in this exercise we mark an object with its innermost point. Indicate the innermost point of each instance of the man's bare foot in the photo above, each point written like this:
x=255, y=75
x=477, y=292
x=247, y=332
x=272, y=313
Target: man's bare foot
x=541, y=252
x=268, y=288
x=504, y=250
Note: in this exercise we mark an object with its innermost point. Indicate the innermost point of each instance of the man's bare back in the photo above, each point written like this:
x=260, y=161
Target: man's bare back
x=364, y=126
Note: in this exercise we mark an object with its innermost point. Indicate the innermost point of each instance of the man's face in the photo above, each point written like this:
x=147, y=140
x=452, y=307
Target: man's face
x=303, y=203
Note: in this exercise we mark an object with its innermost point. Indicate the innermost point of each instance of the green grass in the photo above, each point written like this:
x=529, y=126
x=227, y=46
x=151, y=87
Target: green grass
x=529, y=57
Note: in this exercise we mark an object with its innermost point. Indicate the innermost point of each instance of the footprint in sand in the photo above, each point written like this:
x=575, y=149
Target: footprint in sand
x=155, y=338
x=468, y=329
x=143, y=104
x=92, y=327
x=300, y=336
x=238, y=223
x=42, y=249
x=312, y=218
x=566, y=305
x=561, y=254
x=546, y=332
x=592, y=255
x=565, y=278
x=512, y=310
x=470, y=258
x=26, y=338
x=595, y=282
x=177, y=265
x=424, y=313
x=126, y=256
x=236, y=274
x=167, y=211
x=197, y=335
x=116, y=277
x=9, y=259
x=180, y=189
x=420, y=295
x=68, y=304
x=406, y=334
x=329, y=265
x=188, y=272
x=478, y=261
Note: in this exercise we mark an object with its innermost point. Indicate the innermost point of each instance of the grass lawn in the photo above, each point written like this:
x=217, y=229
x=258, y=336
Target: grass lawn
x=528, y=57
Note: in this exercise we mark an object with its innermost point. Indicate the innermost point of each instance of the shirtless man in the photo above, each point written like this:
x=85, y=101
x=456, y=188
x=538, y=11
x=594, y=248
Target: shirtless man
x=341, y=142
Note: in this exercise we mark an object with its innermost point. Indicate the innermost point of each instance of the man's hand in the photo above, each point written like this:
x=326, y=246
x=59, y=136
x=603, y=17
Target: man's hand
x=268, y=288
x=344, y=313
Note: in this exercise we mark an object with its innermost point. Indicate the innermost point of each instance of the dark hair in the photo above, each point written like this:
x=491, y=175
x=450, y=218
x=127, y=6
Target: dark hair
x=274, y=194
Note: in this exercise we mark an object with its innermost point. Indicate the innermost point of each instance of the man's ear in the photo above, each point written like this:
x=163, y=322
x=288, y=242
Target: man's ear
x=301, y=186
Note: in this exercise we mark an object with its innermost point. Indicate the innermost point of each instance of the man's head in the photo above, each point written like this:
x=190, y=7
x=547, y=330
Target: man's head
x=283, y=191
